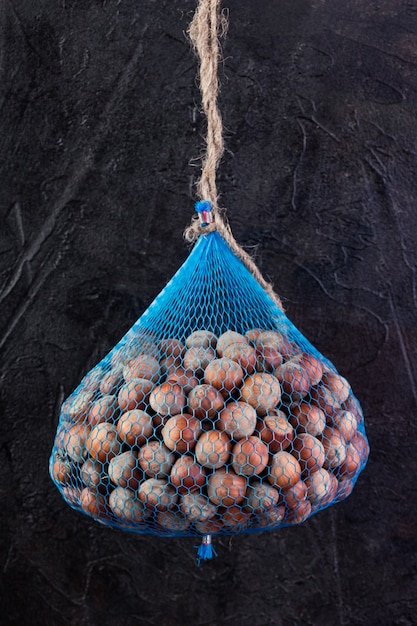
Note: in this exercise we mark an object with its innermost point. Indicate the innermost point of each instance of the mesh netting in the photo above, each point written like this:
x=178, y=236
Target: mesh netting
x=212, y=415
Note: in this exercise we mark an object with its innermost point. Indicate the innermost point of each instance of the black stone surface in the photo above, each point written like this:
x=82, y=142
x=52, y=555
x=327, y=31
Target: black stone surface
x=100, y=131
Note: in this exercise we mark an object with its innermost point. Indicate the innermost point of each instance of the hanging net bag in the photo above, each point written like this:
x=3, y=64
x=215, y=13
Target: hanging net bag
x=213, y=415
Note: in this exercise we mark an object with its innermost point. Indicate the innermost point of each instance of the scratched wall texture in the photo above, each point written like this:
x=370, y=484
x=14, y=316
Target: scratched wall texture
x=100, y=129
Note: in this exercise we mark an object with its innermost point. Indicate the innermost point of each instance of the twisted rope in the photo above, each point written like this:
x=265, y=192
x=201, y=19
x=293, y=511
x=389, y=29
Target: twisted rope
x=208, y=24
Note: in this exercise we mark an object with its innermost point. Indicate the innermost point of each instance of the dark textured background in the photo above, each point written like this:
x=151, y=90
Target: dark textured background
x=100, y=129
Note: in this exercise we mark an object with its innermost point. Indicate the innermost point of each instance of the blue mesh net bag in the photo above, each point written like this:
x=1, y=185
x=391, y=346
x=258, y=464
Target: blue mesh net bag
x=213, y=415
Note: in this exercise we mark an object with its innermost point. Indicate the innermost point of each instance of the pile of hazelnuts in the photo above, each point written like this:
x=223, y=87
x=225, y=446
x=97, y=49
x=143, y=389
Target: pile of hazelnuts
x=209, y=434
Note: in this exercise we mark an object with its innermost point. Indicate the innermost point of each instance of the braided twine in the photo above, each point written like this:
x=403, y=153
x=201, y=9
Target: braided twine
x=208, y=24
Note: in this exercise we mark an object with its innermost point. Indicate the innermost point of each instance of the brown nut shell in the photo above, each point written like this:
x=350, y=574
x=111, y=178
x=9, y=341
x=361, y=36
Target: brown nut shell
x=237, y=419
x=352, y=405
x=299, y=513
x=225, y=488
x=135, y=427
x=262, y=391
x=180, y=432
x=249, y=456
x=135, y=394
x=230, y=337
x=173, y=521
x=167, y=399
x=75, y=440
x=261, y=496
x=157, y=494
x=103, y=410
x=361, y=444
x=236, y=517
x=61, y=470
x=185, y=379
x=112, y=381
x=294, y=379
x=309, y=452
x=213, y=449
x=320, y=486
x=273, y=339
x=91, y=381
x=124, y=470
x=201, y=339
x=312, y=366
x=197, y=508
x=197, y=359
x=337, y=385
x=187, y=475
x=276, y=431
x=268, y=359
x=306, y=418
x=93, y=474
x=92, y=503
x=76, y=407
x=156, y=459
x=351, y=465
x=334, y=447
x=103, y=443
x=205, y=401
x=126, y=506
x=224, y=374
x=346, y=423
x=143, y=366
x=294, y=494
x=243, y=354
x=284, y=470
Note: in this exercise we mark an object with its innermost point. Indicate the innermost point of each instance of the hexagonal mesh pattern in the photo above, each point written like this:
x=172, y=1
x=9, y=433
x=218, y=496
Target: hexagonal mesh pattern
x=213, y=414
